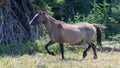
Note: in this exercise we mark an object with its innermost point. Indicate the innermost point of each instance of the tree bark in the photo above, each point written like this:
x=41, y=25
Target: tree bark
x=15, y=16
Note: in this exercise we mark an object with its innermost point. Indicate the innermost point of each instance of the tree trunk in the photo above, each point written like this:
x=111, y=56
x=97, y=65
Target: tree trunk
x=15, y=16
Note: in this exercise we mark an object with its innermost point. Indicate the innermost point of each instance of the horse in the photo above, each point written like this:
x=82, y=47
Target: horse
x=61, y=32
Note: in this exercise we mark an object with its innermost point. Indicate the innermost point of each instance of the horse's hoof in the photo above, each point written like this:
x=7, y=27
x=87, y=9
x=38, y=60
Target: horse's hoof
x=84, y=55
x=52, y=53
x=63, y=58
x=95, y=57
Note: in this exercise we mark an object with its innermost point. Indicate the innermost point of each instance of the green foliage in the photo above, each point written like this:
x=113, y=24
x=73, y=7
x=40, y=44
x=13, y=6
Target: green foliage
x=112, y=30
x=77, y=17
x=115, y=16
x=3, y=48
x=78, y=49
x=54, y=47
x=13, y=49
x=41, y=5
x=96, y=14
x=29, y=48
x=116, y=37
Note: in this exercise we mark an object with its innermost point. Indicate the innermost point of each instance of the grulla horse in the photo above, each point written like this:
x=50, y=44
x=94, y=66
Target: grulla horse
x=61, y=32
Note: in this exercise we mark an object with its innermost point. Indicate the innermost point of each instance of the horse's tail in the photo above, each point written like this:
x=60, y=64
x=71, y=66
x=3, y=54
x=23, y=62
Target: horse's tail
x=99, y=36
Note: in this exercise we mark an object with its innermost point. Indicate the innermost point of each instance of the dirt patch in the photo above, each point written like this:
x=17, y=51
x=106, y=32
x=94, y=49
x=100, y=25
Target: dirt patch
x=104, y=49
x=108, y=49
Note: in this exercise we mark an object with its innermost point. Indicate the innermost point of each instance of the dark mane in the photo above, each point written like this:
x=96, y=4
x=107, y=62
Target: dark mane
x=50, y=17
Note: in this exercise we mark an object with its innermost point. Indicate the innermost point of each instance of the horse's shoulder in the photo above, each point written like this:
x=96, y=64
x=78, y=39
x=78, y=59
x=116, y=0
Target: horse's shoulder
x=59, y=25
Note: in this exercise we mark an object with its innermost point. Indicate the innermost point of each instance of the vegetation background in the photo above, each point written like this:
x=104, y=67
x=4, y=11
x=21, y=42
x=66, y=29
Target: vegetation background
x=18, y=39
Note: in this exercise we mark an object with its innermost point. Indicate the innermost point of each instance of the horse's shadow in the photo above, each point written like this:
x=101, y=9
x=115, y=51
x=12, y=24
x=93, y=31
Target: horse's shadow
x=80, y=60
x=72, y=59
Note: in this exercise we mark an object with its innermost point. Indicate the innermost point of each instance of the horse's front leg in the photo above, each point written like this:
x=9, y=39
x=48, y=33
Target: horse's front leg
x=46, y=47
x=62, y=50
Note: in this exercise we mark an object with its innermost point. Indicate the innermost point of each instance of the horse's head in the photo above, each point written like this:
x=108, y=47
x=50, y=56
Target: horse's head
x=38, y=18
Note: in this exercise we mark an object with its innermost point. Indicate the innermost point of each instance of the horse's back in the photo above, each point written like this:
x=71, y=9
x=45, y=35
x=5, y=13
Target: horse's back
x=74, y=33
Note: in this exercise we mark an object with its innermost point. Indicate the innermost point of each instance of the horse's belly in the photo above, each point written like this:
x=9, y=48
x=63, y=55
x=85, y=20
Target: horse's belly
x=73, y=38
x=73, y=41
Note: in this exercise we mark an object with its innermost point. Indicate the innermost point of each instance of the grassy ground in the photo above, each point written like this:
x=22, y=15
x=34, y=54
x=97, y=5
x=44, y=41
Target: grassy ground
x=73, y=60
x=40, y=58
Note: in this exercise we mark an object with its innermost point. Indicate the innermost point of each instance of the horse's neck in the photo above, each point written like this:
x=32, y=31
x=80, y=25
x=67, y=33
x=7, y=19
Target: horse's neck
x=50, y=24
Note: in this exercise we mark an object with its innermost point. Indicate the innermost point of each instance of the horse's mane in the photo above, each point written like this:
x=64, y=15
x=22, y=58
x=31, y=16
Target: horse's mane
x=52, y=18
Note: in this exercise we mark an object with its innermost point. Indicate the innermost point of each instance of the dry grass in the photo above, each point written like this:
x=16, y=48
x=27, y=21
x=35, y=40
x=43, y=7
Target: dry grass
x=73, y=60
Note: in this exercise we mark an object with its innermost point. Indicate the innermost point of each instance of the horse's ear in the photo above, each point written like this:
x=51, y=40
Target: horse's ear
x=40, y=11
x=44, y=12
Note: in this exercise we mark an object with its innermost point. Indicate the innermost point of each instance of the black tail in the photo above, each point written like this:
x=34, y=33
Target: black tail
x=99, y=36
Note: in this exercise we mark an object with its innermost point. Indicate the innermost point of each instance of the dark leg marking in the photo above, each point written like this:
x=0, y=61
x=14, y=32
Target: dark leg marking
x=62, y=50
x=94, y=50
x=85, y=51
x=46, y=47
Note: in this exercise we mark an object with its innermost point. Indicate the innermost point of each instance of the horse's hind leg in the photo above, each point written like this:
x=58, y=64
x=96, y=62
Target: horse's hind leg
x=85, y=52
x=46, y=47
x=94, y=50
x=62, y=50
